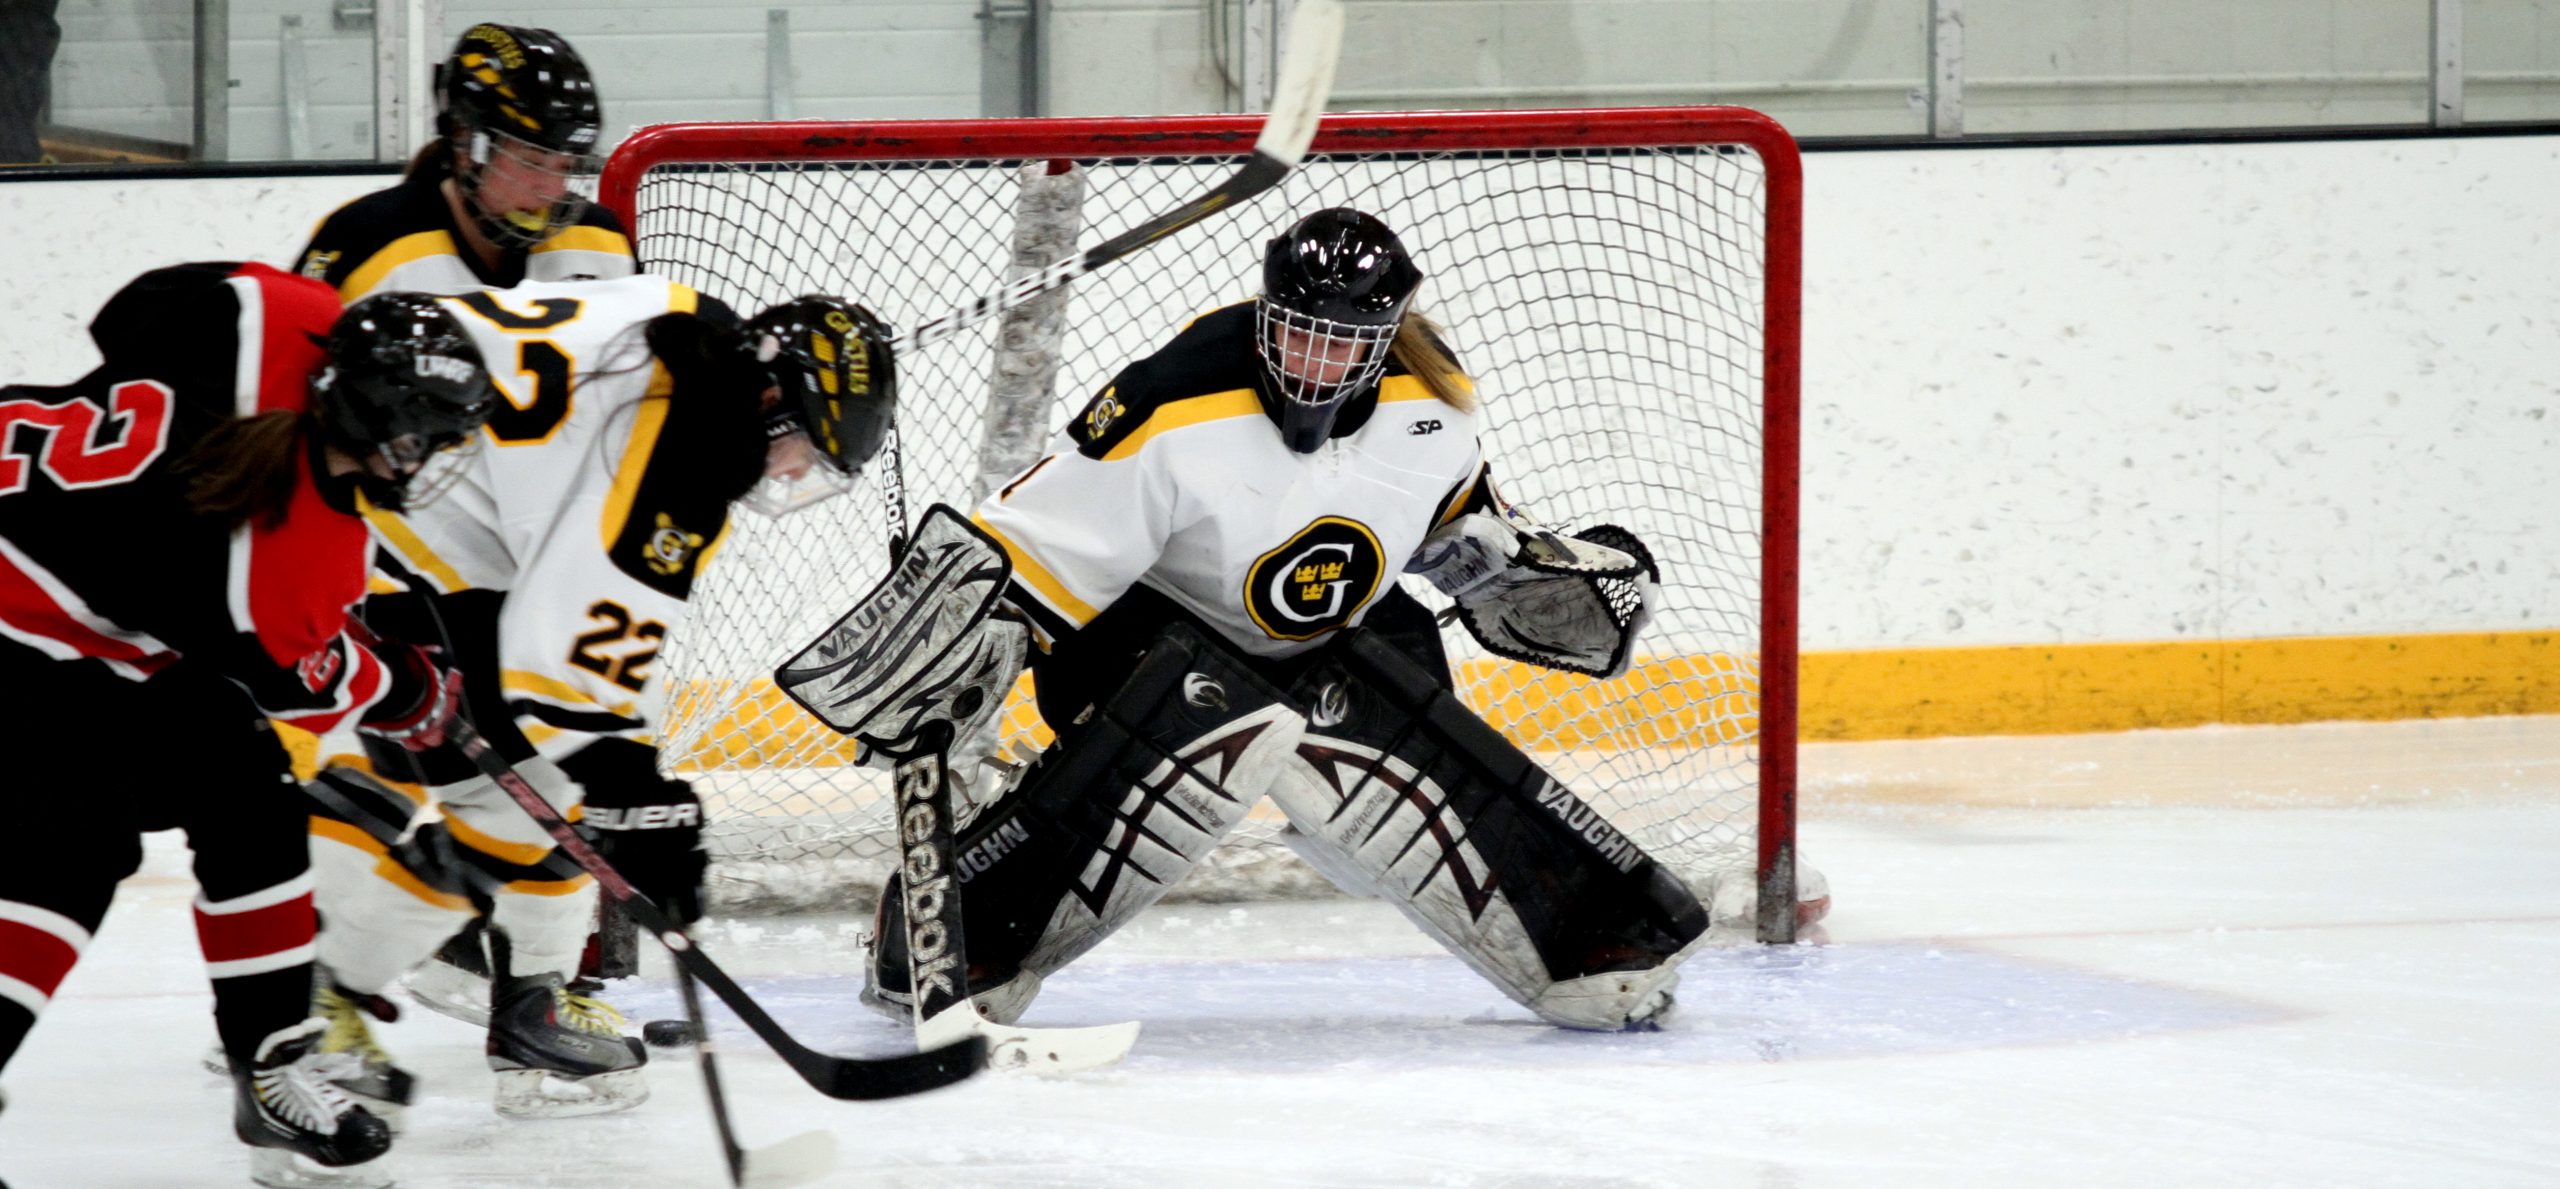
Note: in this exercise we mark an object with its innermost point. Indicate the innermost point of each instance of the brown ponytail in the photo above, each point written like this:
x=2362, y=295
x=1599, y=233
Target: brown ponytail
x=1418, y=349
x=244, y=470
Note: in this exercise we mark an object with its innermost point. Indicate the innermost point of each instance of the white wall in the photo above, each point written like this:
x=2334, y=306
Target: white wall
x=2050, y=394
x=1827, y=67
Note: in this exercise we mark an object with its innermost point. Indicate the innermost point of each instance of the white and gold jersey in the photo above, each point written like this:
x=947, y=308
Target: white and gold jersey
x=561, y=506
x=1173, y=477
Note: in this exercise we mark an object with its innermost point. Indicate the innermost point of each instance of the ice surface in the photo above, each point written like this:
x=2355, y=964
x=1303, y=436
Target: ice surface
x=2319, y=955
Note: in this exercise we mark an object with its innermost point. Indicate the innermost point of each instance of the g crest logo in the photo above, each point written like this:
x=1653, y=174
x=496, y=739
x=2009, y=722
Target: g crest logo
x=1106, y=409
x=670, y=548
x=1315, y=582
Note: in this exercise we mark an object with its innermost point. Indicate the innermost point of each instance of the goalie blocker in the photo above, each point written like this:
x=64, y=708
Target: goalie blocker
x=1392, y=788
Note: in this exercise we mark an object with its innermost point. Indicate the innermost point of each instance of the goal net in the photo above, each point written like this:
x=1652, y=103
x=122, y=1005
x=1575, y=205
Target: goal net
x=1621, y=284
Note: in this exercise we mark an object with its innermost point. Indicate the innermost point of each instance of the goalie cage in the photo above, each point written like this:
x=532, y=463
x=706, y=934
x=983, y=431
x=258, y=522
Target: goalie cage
x=1622, y=284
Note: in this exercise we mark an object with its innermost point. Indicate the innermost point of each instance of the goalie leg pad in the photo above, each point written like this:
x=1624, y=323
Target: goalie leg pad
x=1106, y=822
x=1404, y=794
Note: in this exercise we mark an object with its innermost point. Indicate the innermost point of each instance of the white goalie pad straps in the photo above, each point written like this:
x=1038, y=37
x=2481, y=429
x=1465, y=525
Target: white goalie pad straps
x=922, y=649
x=1165, y=825
x=1376, y=827
x=1371, y=823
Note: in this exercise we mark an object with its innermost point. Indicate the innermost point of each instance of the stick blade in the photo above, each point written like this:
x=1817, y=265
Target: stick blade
x=1030, y=1050
x=795, y=1161
x=906, y=1073
x=1306, y=81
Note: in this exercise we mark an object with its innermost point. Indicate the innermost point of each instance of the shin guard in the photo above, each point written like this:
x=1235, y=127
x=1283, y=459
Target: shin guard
x=1401, y=792
x=1105, y=823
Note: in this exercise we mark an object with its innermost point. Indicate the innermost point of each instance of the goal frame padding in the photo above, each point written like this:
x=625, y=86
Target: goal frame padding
x=662, y=145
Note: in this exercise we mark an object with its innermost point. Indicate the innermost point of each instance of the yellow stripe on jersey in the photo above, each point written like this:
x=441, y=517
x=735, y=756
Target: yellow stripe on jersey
x=522, y=854
x=585, y=239
x=414, y=552
x=552, y=689
x=1041, y=581
x=681, y=299
x=549, y=887
x=650, y=417
x=1396, y=388
x=417, y=245
x=1190, y=410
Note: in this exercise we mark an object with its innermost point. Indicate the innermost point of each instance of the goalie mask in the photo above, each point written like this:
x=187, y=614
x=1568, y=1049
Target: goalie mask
x=1334, y=289
x=836, y=377
x=520, y=110
x=402, y=385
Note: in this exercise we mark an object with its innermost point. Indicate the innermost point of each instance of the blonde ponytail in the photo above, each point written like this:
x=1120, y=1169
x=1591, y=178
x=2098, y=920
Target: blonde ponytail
x=1418, y=349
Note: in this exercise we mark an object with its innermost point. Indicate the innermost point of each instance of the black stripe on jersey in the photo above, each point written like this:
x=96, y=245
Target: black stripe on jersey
x=1051, y=624
x=592, y=722
x=1214, y=354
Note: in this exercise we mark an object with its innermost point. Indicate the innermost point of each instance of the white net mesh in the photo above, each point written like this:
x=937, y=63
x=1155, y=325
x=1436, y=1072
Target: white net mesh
x=1608, y=301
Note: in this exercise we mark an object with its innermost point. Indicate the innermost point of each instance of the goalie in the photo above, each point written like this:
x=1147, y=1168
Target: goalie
x=1207, y=564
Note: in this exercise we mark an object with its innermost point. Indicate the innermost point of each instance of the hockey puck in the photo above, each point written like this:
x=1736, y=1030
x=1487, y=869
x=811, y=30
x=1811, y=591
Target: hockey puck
x=667, y=1034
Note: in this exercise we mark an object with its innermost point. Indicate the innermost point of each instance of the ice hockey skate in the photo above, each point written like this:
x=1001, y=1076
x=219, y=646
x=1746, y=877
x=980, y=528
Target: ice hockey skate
x=374, y=1081
x=559, y=1054
x=305, y=1132
x=456, y=981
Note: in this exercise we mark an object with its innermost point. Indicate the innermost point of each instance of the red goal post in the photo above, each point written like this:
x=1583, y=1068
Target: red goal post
x=1623, y=283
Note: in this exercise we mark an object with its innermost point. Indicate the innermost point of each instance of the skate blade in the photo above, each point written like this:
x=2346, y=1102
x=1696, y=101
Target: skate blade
x=217, y=1060
x=277, y=1168
x=534, y=1094
x=449, y=990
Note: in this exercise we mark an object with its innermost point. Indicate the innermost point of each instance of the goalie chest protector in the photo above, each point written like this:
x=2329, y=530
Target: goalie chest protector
x=1174, y=477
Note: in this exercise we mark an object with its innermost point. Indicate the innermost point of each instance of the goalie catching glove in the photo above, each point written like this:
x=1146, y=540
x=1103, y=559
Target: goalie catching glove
x=1531, y=594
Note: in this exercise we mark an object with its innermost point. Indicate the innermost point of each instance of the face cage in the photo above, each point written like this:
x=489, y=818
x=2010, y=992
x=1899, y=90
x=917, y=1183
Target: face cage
x=524, y=229
x=797, y=476
x=1321, y=343
x=425, y=470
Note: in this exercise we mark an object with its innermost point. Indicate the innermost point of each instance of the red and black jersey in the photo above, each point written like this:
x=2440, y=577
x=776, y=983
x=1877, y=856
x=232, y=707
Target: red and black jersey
x=101, y=557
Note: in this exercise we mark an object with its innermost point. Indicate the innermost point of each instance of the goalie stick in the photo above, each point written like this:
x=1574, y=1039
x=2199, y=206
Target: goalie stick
x=937, y=954
x=938, y=972
x=856, y=1078
x=1297, y=101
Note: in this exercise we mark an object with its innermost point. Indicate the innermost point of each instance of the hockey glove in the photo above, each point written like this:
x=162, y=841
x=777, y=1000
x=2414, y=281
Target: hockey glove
x=424, y=696
x=647, y=826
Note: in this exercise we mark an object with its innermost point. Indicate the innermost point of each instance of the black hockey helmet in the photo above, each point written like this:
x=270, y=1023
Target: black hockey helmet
x=402, y=383
x=524, y=94
x=837, y=376
x=1334, y=289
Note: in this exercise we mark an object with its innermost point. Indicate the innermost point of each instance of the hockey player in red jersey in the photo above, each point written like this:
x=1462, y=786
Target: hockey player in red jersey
x=180, y=539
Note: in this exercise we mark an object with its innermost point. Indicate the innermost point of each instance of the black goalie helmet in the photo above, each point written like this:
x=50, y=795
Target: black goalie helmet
x=519, y=107
x=402, y=384
x=1334, y=289
x=835, y=374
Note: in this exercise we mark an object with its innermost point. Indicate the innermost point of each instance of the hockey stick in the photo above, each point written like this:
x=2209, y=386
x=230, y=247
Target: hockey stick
x=857, y=1078
x=796, y=1161
x=937, y=952
x=1297, y=101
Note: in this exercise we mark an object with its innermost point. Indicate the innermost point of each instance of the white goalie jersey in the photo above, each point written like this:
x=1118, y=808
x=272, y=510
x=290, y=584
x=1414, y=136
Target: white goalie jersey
x=1173, y=477
x=560, y=507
